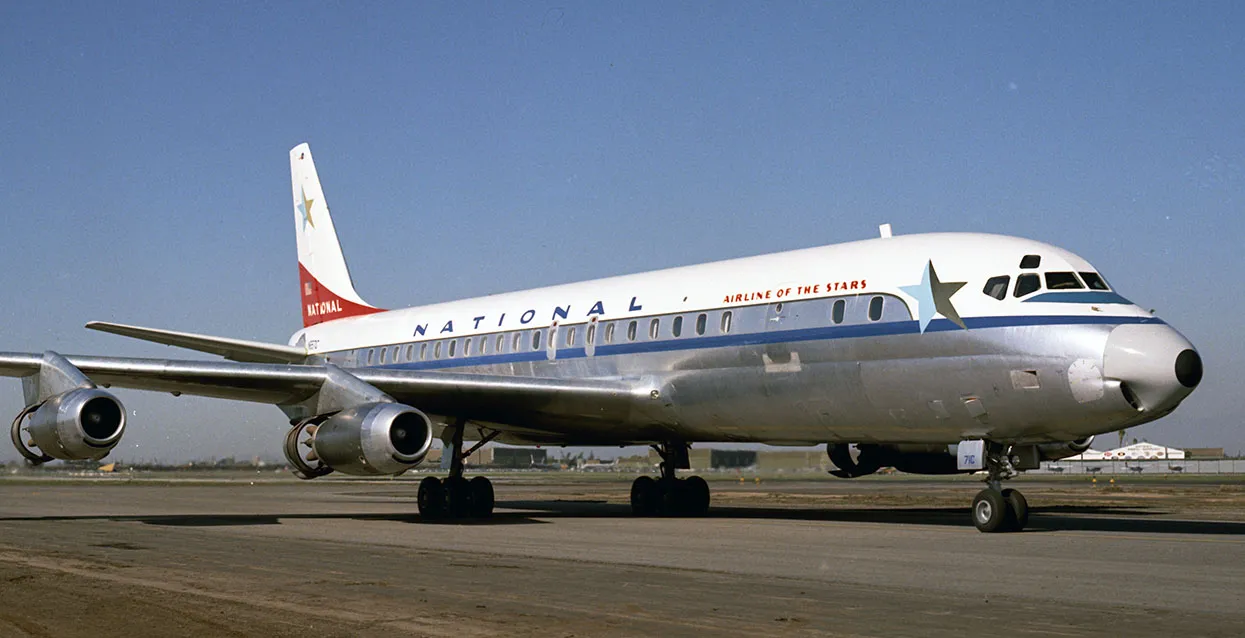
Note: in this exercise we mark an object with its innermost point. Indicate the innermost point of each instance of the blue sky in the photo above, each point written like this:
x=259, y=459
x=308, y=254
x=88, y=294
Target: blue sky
x=474, y=148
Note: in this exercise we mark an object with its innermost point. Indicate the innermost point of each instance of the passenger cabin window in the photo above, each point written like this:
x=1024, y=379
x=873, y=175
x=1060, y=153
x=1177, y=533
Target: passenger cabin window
x=410, y=353
x=1094, y=281
x=423, y=351
x=1062, y=281
x=997, y=286
x=436, y=351
x=631, y=331
x=453, y=345
x=726, y=322
x=677, y=327
x=592, y=333
x=654, y=328
x=382, y=356
x=570, y=337
x=1030, y=261
x=536, y=339
x=701, y=321
x=609, y=333
x=518, y=340
x=370, y=354
x=501, y=344
x=483, y=345
x=875, y=309
x=1027, y=283
x=836, y=312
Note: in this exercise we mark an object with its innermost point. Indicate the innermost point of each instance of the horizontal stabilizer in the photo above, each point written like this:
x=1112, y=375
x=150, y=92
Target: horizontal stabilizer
x=232, y=349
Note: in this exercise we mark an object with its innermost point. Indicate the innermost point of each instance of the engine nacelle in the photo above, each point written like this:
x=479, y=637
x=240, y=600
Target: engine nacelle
x=1056, y=451
x=853, y=460
x=79, y=425
x=373, y=439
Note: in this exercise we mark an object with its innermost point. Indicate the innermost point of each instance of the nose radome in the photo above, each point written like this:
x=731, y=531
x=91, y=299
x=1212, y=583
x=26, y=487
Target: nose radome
x=1155, y=364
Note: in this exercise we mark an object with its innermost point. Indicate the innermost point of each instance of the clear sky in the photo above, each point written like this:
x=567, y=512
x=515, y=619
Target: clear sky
x=471, y=148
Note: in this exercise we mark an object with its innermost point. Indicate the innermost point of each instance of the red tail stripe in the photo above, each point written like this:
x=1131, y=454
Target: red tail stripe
x=321, y=304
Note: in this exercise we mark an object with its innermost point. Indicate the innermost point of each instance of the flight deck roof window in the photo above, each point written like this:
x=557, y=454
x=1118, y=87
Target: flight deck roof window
x=1063, y=281
x=875, y=309
x=997, y=286
x=1094, y=281
x=836, y=312
x=1026, y=284
x=1029, y=262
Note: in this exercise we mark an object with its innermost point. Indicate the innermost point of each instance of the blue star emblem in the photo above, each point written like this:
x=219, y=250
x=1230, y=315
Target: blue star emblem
x=933, y=296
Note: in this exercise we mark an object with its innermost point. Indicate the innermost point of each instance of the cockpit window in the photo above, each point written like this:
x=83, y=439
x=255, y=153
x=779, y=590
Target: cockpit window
x=1062, y=281
x=1026, y=284
x=1030, y=261
x=1094, y=281
x=997, y=286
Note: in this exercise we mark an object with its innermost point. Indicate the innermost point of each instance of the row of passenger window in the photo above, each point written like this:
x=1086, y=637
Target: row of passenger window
x=525, y=341
x=1029, y=283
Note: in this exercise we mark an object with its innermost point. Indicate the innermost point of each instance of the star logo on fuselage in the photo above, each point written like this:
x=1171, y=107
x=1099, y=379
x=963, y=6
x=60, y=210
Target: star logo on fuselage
x=304, y=208
x=933, y=296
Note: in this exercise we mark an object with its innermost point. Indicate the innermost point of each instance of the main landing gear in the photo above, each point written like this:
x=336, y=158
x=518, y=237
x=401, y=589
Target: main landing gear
x=996, y=509
x=669, y=495
x=456, y=497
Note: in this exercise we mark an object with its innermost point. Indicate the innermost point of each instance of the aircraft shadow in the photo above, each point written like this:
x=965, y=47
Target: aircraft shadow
x=528, y=512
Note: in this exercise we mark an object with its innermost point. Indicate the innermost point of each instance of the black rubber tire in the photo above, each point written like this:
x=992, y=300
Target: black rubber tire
x=457, y=497
x=1017, y=509
x=673, y=497
x=990, y=512
x=431, y=498
x=696, y=496
x=481, y=497
x=645, y=496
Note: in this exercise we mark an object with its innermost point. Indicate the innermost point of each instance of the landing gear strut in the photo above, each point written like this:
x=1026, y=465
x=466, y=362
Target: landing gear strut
x=669, y=495
x=457, y=497
x=996, y=509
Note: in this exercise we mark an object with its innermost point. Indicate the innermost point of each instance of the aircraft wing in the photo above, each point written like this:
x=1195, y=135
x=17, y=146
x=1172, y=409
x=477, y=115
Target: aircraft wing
x=524, y=409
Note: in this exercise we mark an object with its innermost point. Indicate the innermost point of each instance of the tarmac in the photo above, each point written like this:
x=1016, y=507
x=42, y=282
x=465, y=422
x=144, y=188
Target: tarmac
x=563, y=557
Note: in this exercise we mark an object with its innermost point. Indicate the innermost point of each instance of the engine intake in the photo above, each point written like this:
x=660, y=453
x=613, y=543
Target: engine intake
x=373, y=439
x=79, y=425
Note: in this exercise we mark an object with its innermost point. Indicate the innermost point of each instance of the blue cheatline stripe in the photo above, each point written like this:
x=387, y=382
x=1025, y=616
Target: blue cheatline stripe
x=880, y=329
x=1080, y=296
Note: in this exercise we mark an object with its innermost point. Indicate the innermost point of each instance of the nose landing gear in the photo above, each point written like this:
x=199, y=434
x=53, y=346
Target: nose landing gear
x=996, y=509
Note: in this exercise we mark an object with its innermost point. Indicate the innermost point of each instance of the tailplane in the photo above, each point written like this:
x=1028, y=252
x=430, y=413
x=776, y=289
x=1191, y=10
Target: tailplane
x=325, y=287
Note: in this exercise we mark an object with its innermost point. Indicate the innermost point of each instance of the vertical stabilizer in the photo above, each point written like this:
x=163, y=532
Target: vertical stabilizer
x=324, y=281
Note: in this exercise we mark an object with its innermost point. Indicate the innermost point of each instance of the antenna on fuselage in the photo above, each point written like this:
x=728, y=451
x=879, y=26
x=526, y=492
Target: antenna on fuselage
x=885, y=231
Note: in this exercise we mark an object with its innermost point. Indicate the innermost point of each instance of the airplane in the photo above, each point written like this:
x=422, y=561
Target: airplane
x=931, y=353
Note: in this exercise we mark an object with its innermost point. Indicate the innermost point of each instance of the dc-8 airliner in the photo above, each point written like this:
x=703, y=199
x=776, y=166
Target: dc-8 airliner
x=931, y=353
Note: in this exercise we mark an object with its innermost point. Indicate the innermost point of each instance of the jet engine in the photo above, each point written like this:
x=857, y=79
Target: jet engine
x=853, y=460
x=364, y=440
x=79, y=425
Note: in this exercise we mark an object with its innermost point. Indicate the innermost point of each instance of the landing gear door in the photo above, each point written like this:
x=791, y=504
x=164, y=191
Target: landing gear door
x=970, y=455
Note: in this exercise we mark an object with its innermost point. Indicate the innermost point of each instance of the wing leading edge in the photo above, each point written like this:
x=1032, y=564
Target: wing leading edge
x=523, y=409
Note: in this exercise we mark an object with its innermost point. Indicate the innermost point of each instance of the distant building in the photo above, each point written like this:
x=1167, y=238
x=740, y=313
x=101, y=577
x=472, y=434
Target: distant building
x=1143, y=451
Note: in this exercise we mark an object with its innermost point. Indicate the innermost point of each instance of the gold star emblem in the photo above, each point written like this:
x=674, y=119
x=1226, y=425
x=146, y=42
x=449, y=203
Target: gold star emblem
x=305, y=209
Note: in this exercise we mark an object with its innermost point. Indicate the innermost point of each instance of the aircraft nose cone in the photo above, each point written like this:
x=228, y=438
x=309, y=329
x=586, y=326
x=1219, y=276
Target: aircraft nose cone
x=1155, y=365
